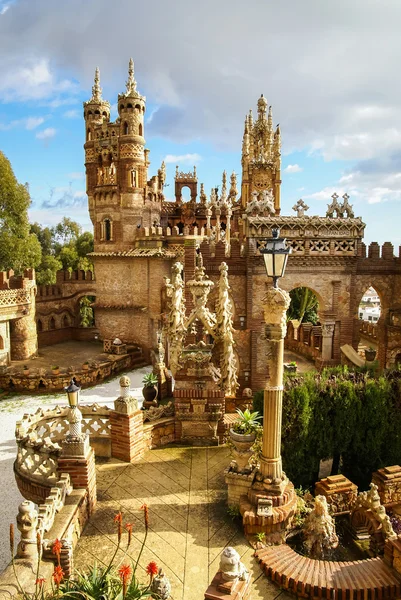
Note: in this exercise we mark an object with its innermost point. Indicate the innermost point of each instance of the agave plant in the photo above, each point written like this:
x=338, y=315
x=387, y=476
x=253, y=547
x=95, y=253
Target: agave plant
x=247, y=422
x=149, y=380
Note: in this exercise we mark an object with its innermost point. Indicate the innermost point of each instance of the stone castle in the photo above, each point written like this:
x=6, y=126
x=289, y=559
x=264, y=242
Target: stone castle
x=139, y=235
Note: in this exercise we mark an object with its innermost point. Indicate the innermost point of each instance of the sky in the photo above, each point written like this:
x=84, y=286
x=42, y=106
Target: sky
x=329, y=69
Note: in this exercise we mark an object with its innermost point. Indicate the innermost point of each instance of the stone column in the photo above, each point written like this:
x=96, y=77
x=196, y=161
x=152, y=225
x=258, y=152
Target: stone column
x=327, y=340
x=276, y=303
x=126, y=426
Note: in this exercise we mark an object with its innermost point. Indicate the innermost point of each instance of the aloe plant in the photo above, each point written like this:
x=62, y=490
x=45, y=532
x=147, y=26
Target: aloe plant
x=149, y=380
x=247, y=422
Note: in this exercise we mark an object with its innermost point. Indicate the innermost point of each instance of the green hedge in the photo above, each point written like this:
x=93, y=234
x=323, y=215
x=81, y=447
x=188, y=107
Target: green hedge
x=352, y=414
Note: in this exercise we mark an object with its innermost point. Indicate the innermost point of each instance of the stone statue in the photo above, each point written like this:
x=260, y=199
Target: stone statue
x=161, y=586
x=224, y=313
x=231, y=566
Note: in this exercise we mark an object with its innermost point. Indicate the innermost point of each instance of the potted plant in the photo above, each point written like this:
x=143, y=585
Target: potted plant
x=56, y=370
x=243, y=435
x=291, y=367
x=26, y=370
x=370, y=354
x=150, y=389
x=85, y=366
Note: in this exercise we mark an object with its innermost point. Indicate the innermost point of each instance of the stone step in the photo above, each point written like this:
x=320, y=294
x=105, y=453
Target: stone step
x=369, y=579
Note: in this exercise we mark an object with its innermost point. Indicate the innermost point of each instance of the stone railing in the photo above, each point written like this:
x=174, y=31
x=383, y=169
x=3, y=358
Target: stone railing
x=14, y=297
x=306, y=339
x=38, y=436
x=368, y=329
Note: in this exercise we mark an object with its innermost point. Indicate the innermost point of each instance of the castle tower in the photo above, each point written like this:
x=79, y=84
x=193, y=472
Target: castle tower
x=121, y=200
x=261, y=155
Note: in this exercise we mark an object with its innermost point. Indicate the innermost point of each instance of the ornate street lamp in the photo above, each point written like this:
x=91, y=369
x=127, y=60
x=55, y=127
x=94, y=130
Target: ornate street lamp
x=275, y=255
x=74, y=414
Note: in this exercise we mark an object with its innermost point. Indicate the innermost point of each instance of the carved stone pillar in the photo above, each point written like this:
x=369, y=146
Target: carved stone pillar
x=276, y=303
x=327, y=340
x=126, y=423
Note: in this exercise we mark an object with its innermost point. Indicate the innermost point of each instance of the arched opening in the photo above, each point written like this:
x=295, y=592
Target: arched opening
x=41, y=385
x=370, y=307
x=369, y=311
x=104, y=113
x=1, y=343
x=97, y=112
x=11, y=384
x=129, y=105
x=140, y=129
x=125, y=129
x=138, y=107
x=39, y=326
x=304, y=333
x=89, y=113
x=66, y=321
x=86, y=312
x=107, y=230
x=122, y=106
x=185, y=194
x=180, y=226
x=52, y=323
x=397, y=360
x=88, y=135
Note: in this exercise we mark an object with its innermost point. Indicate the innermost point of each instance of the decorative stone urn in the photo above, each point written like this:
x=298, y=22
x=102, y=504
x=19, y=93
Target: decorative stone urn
x=242, y=449
x=161, y=586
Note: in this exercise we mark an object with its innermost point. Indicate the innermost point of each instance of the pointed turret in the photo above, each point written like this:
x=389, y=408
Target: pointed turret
x=96, y=89
x=224, y=187
x=131, y=83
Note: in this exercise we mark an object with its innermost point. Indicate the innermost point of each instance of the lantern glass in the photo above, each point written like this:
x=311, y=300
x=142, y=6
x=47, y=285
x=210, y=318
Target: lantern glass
x=73, y=394
x=275, y=254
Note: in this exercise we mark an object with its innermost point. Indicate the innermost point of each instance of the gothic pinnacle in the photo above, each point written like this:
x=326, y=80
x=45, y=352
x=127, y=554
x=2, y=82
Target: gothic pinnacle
x=96, y=89
x=131, y=83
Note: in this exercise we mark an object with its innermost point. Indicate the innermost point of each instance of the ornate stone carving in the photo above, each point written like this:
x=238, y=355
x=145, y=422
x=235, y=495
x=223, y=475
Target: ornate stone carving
x=319, y=530
x=276, y=303
x=161, y=586
x=131, y=151
x=370, y=501
x=261, y=204
x=27, y=521
x=300, y=208
x=175, y=328
x=224, y=330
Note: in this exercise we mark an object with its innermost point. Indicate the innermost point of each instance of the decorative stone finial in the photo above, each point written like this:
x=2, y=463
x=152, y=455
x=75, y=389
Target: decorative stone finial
x=262, y=106
x=131, y=83
x=27, y=521
x=96, y=89
x=231, y=566
x=125, y=383
x=300, y=207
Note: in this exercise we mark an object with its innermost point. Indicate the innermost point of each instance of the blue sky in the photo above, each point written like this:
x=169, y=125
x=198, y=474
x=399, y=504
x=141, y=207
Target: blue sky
x=330, y=71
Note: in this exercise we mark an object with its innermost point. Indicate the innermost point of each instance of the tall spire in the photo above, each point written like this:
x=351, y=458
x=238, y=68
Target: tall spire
x=96, y=89
x=131, y=83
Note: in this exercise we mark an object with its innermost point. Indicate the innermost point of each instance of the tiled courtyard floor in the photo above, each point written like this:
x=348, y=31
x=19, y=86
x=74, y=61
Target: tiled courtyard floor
x=189, y=526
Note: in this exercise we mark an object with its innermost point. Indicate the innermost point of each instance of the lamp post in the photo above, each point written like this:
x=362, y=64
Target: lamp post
x=74, y=414
x=276, y=303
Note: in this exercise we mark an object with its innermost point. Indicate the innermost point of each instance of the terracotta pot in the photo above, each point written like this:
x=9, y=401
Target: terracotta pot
x=149, y=392
x=370, y=355
x=26, y=372
x=55, y=371
x=85, y=367
x=242, y=448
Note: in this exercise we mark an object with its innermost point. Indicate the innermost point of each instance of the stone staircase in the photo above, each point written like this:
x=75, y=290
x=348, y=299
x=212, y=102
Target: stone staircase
x=368, y=579
x=137, y=358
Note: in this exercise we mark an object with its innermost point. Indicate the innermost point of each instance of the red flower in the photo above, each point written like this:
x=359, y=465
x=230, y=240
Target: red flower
x=152, y=569
x=125, y=571
x=58, y=575
x=145, y=508
x=57, y=549
x=40, y=581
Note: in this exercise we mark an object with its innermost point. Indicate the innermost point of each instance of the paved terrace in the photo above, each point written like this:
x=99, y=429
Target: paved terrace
x=189, y=526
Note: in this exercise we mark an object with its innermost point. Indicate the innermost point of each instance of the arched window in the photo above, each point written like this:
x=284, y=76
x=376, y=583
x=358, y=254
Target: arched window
x=97, y=112
x=52, y=323
x=104, y=113
x=121, y=106
x=129, y=105
x=138, y=107
x=66, y=322
x=107, y=230
x=88, y=135
x=89, y=113
x=125, y=128
x=1, y=343
x=39, y=325
x=140, y=129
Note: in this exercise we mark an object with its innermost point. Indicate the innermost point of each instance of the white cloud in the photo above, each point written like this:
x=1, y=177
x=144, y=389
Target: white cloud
x=33, y=80
x=76, y=175
x=182, y=158
x=293, y=169
x=46, y=134
x=71, y=114
x=27, y=123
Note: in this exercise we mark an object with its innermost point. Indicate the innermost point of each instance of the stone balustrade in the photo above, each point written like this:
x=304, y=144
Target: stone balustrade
x=368, y=329
x=305, y=339
x=13, y=298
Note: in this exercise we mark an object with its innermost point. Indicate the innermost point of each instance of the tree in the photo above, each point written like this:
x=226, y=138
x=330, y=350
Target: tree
x=304, y=305
x=45, y=237
x=84, y=244
x=18, y=248
x=47, y=271
x=66, y=231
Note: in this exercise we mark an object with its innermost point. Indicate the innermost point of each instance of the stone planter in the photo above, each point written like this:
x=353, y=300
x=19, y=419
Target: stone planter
x=290, y=368
x=26, y=372
x=370, y=355
x=242, y=449
x=55, y=371
x=85, y=367
x=149, y=392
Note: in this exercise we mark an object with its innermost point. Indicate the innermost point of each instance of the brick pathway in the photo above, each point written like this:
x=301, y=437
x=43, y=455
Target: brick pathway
x=189, y=525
